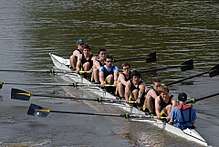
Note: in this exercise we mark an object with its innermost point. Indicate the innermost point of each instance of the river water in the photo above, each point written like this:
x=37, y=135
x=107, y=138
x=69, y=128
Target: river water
x=176, y=30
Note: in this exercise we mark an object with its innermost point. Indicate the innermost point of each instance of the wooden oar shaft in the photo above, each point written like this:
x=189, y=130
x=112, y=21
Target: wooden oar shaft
x=197, y=75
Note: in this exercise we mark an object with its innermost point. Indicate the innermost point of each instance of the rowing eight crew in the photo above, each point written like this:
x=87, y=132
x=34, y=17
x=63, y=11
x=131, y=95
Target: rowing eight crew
x=155, y=100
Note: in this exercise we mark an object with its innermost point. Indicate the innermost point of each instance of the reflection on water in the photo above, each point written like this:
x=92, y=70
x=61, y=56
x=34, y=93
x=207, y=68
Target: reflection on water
x=176, y=30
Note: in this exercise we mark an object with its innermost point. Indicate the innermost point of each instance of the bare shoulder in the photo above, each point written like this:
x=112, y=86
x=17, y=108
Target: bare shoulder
x=80, y=56
x=76, y=53
x=157, y=99
x=129, y=83
x=94, y=58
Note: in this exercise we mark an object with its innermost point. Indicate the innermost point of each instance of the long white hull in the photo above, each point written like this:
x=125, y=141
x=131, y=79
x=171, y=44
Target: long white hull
x=189, y=134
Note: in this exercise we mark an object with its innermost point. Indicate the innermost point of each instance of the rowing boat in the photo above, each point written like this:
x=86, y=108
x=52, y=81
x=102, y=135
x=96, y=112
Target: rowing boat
x=190, y=134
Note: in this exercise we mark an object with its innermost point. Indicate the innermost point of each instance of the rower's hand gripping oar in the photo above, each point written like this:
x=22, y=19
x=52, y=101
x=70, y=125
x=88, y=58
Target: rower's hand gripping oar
x=19, y=94
x=186, y=65
x=152, y=57
x=36, y=110
x=214, y=71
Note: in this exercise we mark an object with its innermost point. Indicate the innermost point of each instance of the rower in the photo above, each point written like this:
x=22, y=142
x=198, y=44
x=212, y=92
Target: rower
x=123, y=78
x=135, y=88
x=151, y=95
x=84, y=62
x=76, y=53
x=164, y=102
x=183, y=115
x=98, y=61
x=108, y=74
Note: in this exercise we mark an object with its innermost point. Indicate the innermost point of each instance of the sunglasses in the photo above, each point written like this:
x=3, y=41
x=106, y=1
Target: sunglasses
x=126, y=68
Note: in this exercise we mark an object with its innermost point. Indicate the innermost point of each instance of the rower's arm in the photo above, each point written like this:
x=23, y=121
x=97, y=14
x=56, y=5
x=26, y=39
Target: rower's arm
x=101, y=76
x=115, y=76
x=141, y=91
x=153, y=94
x=171, y=116
x=121, y=78
x=78, y=65
x=127, y=91
x=157, y=106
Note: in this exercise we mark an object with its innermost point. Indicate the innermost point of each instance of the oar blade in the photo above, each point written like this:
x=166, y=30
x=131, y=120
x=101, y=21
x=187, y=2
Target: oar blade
x=35, y=110
x=1, y=84
x=152, y=57
x=187, y=65
x=214, y=71
x=20, y=94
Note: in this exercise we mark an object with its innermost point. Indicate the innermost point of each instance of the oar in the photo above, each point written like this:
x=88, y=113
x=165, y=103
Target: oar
x=37, y=110
x=19, y=94
x=214, y=71
x=51, y=71
x=187, y=65
x=53, y=84
x=152, y=57
x=202, y=98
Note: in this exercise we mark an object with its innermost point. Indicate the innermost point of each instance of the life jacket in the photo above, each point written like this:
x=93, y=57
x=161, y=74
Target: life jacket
x=184, y=121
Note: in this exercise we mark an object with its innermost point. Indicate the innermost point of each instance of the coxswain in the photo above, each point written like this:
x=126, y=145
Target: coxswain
x=85, y=62
x=164, y=102
x=108, y=73
x=76, y=53
x=135, y=88
x=123, y=79
x=98, y=61
x=183, y=115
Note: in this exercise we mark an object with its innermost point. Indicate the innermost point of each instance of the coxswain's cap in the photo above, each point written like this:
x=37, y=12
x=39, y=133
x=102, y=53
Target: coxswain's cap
x=182, y=97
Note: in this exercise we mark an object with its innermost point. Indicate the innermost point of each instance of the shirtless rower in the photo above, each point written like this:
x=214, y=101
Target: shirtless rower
x=123, y=78
x=164, y=102
x=135, y=88
x=76, y=53
x=98, y=61
x=151, y=95
x=85, y=62
x=108, y=73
